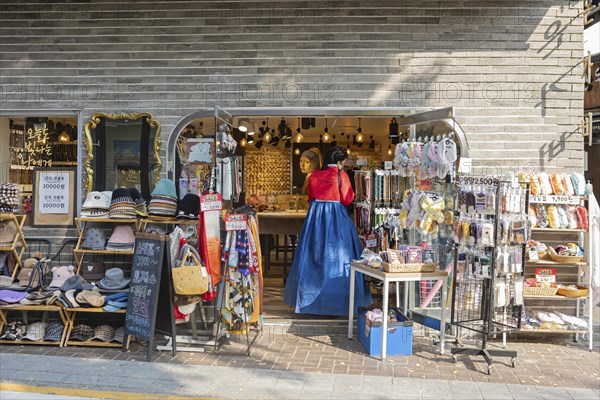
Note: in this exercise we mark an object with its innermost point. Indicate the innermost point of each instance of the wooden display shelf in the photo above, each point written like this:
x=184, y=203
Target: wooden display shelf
x=175, y=221
x=564, y=332
x=557, y=230
x=550, y=262
x=31, y=307
x=4, y=310
x=555, y=297
x=38, y=342
x=85, y=251
x=10, y=248
x=103, y=219
x=95, y=310
x=93, y=343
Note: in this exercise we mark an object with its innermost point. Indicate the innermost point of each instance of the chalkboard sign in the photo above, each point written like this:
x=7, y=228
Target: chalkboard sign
x=150, y=303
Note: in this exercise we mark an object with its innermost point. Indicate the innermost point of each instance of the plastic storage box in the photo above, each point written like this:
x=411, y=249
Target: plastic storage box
x=399, y=336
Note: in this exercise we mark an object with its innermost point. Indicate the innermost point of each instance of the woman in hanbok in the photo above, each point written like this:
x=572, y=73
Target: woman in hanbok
x=319, y=280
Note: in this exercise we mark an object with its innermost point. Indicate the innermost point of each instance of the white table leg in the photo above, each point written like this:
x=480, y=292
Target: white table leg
x=443, y=317
x=351, y=303
x=406, y=289
x=386, y=285
x=398, y=295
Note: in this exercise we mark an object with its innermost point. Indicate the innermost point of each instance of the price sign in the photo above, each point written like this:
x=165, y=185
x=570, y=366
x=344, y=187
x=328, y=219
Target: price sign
x=388, y=165
x=236, y=222
x=53, y=192
x=478, y=180
x=211, y=202
x=545, y=275
x=371, y=240
x=554, y=199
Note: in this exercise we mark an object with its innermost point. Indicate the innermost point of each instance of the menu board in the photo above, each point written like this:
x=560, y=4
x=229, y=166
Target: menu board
x=150, y=290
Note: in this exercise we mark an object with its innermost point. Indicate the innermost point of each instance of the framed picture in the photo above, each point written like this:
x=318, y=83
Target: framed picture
x=54, y=197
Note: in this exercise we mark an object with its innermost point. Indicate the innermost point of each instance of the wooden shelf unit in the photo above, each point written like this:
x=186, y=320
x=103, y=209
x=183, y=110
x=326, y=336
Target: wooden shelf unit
x=17, y=248
x=4, y=310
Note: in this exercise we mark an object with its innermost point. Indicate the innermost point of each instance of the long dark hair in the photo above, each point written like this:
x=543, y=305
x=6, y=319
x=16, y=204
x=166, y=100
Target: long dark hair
x=334, y=155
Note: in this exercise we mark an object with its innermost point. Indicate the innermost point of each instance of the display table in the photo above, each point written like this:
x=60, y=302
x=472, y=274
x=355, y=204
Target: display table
x=280, y=223
x=387, y=278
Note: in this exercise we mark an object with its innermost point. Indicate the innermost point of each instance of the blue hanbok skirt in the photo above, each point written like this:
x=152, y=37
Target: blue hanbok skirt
x=319, y=280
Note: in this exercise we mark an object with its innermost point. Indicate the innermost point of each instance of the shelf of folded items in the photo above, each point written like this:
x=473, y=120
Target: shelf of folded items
x=5, y=309
x=71, y=314
x=550, y=262
x=555, y=297
x=557, y=230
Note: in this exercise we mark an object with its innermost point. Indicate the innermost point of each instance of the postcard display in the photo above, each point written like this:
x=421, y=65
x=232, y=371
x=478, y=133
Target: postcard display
x=490, y=234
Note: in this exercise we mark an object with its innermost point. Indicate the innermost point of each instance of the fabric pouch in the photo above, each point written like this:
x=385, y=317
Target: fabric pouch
x=556, y=183
x=542, y=217
x=545, y=186
x=572, y=217
x=553, y=218
x=563, y=220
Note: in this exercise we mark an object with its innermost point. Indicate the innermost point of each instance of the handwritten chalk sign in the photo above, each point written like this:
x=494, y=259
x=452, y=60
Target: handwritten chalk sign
x=150, y=302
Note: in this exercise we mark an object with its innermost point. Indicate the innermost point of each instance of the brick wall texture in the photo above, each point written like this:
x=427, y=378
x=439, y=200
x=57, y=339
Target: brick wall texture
x=512, y=68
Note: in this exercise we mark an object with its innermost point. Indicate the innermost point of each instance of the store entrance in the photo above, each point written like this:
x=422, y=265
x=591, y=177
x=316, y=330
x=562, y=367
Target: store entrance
x=279, y=148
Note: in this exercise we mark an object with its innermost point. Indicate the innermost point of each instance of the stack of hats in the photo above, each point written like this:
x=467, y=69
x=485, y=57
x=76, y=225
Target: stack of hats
x=96, y=205
x=10, y=198
x=122, y=239
x=164, y=199
x=140, y=204
x=122, y=204
x=95, y=239
x=189, y=207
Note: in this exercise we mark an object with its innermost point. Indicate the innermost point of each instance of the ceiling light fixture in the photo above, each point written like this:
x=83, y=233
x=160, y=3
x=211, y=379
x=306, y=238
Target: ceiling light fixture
x=246, y=127
x=250, y=140
x=298, y=138
x=359, y=137
x=326, y=135
x=267, y=137
x=297, y=151
x=348, y=146
x=243, y=142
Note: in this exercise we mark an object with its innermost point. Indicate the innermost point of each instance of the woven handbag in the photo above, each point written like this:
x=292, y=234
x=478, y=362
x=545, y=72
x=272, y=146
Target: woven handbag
x=190, y=277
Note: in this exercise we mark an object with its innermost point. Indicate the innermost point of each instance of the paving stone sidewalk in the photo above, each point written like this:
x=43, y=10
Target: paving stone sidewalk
x=554, y=361
x=251, y=383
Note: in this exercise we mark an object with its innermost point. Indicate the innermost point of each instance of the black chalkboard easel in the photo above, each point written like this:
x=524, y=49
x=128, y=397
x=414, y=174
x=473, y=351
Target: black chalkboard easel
x=150, y=303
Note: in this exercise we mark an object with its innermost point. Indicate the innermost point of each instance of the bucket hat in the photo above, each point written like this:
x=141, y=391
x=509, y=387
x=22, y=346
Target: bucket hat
x=122, y=234
x=189, y=206
x=165, y=187
x=119, y=335
x=93, y=271
x=113, y=280
x=54, y=332
x=121, y=195
x=61, y=274
x=76, y=282
x=11, y=296
x=90, y=297
x=122, y=204
x=96, y=200
x=8, y=231
x=35, y=331
x=104, y=333
x=15, y=330
x=95, y=239
x=82, y=333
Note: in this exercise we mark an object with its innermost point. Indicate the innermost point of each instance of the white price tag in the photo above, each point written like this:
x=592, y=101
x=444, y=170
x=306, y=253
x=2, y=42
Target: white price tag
x=211, y=202
x=236, y=222
x=554, y=199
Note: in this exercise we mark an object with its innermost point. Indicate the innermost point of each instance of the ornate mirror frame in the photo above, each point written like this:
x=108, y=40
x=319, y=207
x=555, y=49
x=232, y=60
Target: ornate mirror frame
x=89, y=145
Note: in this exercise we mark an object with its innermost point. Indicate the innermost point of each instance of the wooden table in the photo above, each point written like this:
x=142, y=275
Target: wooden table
x=280, y=223
x=387, y=278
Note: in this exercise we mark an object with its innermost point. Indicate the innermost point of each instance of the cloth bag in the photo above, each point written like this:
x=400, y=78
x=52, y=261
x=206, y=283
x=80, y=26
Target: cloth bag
x=190, y=276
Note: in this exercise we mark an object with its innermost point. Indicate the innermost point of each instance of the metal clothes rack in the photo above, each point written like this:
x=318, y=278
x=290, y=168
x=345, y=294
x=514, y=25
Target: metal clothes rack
x=473, y=294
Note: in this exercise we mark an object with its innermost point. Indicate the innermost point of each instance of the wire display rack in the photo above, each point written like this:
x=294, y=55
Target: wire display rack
x=490, y=233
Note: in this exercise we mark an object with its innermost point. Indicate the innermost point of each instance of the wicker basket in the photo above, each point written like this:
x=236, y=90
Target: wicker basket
x=539, y=291
x=565, y=259
x=581, y=291
x=416, y=267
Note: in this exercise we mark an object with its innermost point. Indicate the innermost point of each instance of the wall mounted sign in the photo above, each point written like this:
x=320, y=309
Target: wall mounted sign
x=54, y=196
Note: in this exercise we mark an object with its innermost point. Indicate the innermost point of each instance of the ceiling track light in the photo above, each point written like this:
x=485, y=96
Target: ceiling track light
x=246, y=127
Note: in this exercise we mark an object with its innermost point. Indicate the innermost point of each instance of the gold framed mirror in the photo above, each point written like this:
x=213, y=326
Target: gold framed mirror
x=123, y=150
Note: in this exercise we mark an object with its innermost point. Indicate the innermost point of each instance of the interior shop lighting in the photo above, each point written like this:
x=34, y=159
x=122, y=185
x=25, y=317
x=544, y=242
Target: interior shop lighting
x=243, y=142
x=250, y=140
x=298, y=138
x=389, y=148
x=275, y=140
x=348, y=146
x=372, y=143
x=258, y=144
x=246, y=127
x=288, y=144
x=297, y=151
x=326, y=135
x=359, y=136
x=282, y=127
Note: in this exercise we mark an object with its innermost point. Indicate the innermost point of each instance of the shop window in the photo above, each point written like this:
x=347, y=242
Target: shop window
x=29, y=142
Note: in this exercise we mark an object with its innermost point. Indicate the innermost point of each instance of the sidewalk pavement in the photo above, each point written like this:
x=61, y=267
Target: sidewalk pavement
x=249, y=383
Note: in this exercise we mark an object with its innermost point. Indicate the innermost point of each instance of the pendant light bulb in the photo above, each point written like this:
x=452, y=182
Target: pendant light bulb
x=326, y=135
x=267, y=136
x=243, y=142
x=359, y=137
x=389, y=150
x=299, y=137
x=297, y=151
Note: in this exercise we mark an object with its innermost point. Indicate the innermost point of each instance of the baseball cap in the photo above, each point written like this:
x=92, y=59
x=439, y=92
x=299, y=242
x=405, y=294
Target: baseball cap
x=35, y=331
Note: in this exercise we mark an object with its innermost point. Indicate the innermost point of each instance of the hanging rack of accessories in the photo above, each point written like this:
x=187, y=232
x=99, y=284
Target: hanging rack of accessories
x=490, y=234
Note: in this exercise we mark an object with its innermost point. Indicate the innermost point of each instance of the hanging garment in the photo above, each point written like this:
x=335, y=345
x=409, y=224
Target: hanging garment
x=319, y=280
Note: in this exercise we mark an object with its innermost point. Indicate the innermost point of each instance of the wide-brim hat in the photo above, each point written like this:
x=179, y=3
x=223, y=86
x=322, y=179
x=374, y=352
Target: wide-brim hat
x=165, y=187
x=36, y=331
x=54, y=332
x=114, y=279
x=105, y=333
x=122, y=234
x=189, y=206
x=96, y=200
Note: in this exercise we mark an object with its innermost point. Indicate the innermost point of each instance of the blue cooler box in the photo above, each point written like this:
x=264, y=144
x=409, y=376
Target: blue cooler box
x=399, y=336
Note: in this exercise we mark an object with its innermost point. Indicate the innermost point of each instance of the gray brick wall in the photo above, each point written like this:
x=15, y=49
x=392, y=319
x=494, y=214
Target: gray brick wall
x=511, y=69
